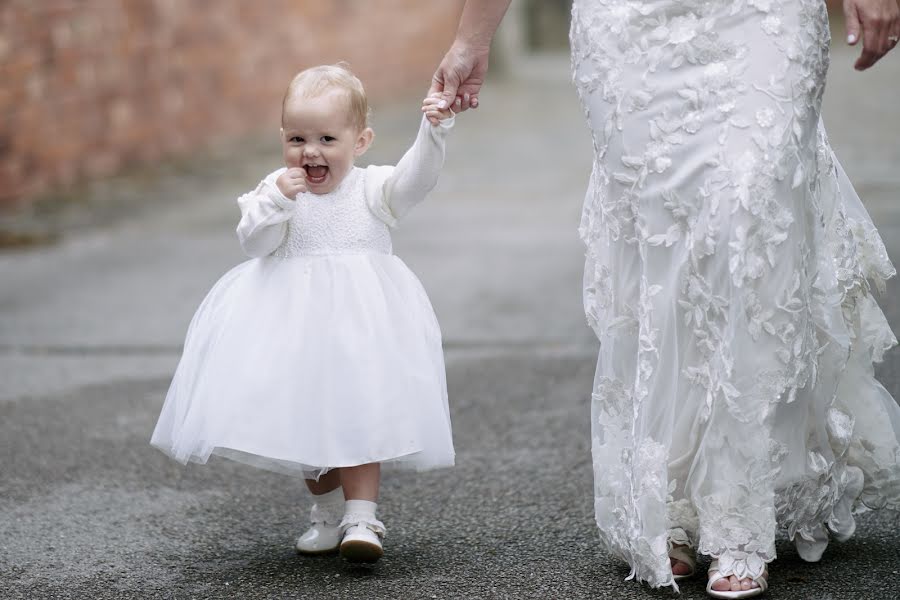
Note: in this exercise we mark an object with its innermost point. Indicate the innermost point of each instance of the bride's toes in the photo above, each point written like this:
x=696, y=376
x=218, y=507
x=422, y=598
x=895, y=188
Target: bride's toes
x=724, y=585
x=733, y=584
x=679, y=567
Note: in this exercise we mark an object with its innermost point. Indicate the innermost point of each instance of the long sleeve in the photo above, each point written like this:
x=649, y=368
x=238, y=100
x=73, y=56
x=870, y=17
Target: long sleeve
x=391, y=192
x=264, y=215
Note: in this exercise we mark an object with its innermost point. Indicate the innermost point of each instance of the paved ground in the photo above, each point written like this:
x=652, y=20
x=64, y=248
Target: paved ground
x=90, y=331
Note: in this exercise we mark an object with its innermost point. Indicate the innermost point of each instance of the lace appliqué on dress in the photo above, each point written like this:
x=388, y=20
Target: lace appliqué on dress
x=727, y=277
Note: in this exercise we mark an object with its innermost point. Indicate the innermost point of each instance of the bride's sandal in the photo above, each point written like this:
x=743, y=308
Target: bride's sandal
x=685, y=555
x=715, y=576
x=681, y=550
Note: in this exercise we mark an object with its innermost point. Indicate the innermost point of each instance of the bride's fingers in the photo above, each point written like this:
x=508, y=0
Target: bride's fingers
x=893, y=29
x=851, y=20
x=881, y=32
x=464, y=101
x=871, y=45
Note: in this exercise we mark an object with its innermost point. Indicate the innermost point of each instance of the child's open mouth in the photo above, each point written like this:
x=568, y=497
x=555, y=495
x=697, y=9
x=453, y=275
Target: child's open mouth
x=316, y=174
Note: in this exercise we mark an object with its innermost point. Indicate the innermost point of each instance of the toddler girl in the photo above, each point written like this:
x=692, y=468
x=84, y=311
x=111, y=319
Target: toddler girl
x=322, y=355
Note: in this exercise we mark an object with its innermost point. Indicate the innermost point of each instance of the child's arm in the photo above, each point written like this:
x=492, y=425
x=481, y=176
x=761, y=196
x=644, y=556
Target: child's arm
x=393, y=192
x=266, y=210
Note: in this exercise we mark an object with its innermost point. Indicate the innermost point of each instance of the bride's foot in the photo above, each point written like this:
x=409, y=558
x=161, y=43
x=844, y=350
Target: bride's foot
x=683, y=561
x=733, y=584
x=731, y=587
x=682, y=556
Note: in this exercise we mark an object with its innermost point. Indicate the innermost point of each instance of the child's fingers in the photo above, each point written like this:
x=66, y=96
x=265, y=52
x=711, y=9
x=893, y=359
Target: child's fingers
x=436, y=115
x=295, y=176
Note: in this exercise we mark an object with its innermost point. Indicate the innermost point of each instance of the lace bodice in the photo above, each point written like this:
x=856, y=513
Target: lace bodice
x=355, y=217
x=339, y=222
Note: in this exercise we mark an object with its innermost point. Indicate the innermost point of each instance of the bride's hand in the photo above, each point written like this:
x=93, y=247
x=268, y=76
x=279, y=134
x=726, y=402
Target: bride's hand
x=877, y=22
x=459, y=77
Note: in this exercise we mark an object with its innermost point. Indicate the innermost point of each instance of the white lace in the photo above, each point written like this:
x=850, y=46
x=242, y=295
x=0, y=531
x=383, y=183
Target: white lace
x=354, y=519
x=335, y=223
x=727, y=277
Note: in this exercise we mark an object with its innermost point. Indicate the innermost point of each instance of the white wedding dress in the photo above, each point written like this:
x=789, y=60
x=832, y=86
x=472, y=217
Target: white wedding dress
x=728, y=274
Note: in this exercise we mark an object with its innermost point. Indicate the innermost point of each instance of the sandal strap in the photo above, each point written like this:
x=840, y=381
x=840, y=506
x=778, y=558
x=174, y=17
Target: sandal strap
x=685, y=555
x=714, y=577
x=681, y=549
x=351, y=519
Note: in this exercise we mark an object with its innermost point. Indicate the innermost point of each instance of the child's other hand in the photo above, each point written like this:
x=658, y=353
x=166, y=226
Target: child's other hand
x=292, y=182
x=431, y=110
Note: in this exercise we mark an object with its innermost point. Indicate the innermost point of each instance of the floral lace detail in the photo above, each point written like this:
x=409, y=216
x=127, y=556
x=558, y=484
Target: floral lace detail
x=727, y=274
x=683, y=522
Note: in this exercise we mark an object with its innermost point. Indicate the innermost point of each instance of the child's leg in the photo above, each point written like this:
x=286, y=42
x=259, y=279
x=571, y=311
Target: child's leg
x=325, y=515
x=363, y=530
x=326, y=483
x=361, y=482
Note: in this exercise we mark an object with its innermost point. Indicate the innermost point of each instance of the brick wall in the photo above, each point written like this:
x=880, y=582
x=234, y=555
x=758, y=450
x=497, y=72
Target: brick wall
x=88, y=87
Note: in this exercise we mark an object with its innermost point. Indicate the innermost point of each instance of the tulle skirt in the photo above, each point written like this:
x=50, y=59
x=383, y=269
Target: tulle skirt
x=309, y=363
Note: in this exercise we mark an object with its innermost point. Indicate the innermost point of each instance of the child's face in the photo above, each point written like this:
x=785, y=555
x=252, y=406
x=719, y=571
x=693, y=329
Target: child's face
x=319, y=136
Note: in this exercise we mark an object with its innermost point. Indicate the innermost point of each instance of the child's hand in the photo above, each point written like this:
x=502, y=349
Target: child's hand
x=431, y=110
x=292, y=182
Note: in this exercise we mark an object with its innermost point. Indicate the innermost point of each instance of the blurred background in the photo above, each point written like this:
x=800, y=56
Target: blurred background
x=90, y=88
x=93, y=88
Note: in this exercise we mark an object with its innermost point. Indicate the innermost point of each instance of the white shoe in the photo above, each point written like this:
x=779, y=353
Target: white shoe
x=362, y=540
x=811, y=550
x=321, y=538
x=686, y=555
x=682, y=550
x=714, y=576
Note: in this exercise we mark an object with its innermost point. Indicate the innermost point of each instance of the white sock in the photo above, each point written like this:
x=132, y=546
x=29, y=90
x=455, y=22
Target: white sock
x=360, y=509
x=328, y=507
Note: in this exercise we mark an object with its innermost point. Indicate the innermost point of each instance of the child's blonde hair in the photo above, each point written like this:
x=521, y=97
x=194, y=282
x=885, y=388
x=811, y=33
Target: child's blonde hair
x=317, y=80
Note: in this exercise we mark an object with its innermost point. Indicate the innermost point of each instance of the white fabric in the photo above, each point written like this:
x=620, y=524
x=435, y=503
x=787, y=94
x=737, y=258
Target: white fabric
x=362, y=513
x=328, y=507
x=393, y=191
x=323, y=352
x=727, y=276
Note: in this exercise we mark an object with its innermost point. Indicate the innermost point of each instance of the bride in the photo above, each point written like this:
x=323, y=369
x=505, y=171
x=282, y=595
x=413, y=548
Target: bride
x=729, y=278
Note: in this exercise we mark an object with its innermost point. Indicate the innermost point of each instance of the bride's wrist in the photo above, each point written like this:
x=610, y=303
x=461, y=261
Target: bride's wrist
x=471, y=45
